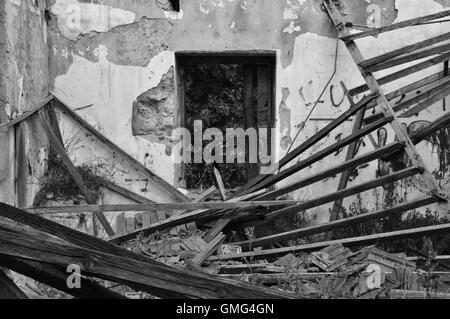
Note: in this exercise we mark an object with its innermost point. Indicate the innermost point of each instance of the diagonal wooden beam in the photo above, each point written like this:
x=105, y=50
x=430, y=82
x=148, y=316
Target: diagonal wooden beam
x=429, y=184
x=404, y=50
x=321, y=228
x=348, y=242
x=8, y=289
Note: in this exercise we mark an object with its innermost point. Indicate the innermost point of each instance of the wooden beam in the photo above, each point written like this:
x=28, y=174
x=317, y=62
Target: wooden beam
x=321, y=134
x=208, y=250
x=348, y=242
x=395, y=26
x=408, y=58
x=428, y=183
x=52, y=276
x=351, y=221
x=413, y=87
x=273, y=179
x=351, y=152
x=346, y=192
x=8, y=289
x=156, y=207
x=132, y=272
x=403, y=73
x=172, y=192
x=405, y=50
x=5, y=126
x=220, y=184
x=74, y=173
x=333, y=171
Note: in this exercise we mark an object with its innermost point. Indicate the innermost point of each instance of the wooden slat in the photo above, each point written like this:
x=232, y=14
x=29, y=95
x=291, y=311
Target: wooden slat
x=435, y=78
x=173, y=192
x=396, y=26
x=333, y=171
x=271, y=180
x=321, y=228
x=156, y=207
x=434, y=94
x=427, y=103
x=403, y=73
x=220, y=184
x=27, y=114
x=409, y=58
x=127, y=193
x=132, y=272
x=321, y=134
x=208, y=250
x=348, y=242
x=351, y=152
x=346, y=192
x=8, y=289
x=57, y=278
x=407, y=49
x=74, y=173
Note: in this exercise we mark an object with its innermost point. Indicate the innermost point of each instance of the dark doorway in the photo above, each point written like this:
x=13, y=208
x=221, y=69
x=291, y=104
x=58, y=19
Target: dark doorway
x=232, y=90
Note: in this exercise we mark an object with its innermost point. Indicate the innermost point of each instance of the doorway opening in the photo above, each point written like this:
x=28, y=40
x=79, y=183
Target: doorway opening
x=226, y=91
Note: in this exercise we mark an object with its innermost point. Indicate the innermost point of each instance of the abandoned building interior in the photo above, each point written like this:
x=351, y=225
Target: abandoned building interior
x=348, y=198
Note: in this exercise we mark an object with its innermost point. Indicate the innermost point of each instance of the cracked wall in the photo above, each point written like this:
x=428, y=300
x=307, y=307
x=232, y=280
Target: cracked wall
x=119, y=55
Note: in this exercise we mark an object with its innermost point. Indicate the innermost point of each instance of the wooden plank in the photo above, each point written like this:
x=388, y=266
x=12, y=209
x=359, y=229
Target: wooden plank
x=250, y=110
x=5, y=126
x=321, y=134
x=321, y=228
x=223, y=222
x=132, y=272
x=351, y=152
x=208, y=250
x=161, y=215
x=434, y=94
x=172, y=192
x=206, y=194
x=57, y=278
x=348, y=242
x=395, y=26
x=404, y=50
x=120, y=224
x=156, y=206
x=408, y=58
x=127, y=193
x=403, y=73
x=8, y=289
x=438, y=124
x=428, y=183
x=146, y=220
x=74, y=173
x=411, y=294
x=271, y=180
x=346, y=192
x=333, y=171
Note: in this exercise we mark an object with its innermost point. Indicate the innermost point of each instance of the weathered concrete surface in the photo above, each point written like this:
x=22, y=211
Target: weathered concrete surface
x=23, y=82
x=115, y=63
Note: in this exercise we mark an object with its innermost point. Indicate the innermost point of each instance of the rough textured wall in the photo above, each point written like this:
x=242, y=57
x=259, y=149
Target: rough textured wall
x=117, y=55
x=23, y=82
